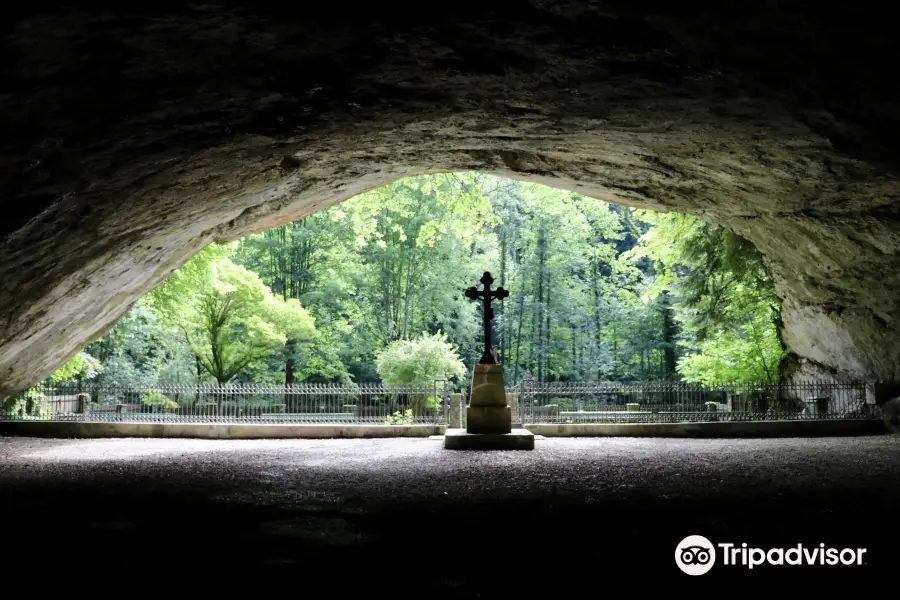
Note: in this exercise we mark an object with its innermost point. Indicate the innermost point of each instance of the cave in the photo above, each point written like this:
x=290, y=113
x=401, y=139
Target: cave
x=138, y=133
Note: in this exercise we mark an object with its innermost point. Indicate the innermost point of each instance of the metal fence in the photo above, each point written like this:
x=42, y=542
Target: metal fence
x=377, y=403
x=366, y=403
x=675, y=402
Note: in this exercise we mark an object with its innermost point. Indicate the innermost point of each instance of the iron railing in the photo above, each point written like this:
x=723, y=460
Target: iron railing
x=365, y=403
x=377, y=403
x=667, y=402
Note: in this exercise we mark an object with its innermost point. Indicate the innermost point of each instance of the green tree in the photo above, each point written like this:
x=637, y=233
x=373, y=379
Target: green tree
x=419, y=363
x=143, y=348
x=80, y=367
x=722, y=295
x=743, y=347
x=234, y=320
x=597, y=291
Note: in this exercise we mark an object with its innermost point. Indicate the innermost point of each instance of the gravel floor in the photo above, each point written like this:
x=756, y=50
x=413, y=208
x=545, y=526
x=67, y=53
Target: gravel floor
x=406, y=512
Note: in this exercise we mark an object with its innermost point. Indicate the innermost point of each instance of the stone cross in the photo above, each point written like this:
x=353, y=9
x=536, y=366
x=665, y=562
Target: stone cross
x=486, y=296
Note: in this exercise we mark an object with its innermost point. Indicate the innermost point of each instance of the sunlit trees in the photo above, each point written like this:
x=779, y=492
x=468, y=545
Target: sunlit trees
x=572, y=313
x=142, y=349
x=743, y=347
x=233, y=320
x=597, y=292
x=419, y=363
x=81, y=367
x=723, y=297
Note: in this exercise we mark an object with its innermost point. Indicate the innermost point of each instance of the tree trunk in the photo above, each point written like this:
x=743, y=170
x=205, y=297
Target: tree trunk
x=615, y=369
x=595, y=292
x=220, y=396
x=519, y=335
x=669, y=332
x=289, y=372
x=539, y=305
x=548, y=348
x=574, y=355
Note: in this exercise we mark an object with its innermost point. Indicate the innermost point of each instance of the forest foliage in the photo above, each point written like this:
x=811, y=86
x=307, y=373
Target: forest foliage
x=372, y=290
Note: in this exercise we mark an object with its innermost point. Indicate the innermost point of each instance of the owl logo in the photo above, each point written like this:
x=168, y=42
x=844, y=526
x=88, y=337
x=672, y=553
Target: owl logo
x=695, y=555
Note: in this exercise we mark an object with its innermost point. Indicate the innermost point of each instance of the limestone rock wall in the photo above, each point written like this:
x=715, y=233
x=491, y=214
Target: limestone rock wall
x=138, y=133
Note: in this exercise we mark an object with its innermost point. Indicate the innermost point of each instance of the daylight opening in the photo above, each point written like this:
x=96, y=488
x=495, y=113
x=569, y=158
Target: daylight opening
x=369, y=294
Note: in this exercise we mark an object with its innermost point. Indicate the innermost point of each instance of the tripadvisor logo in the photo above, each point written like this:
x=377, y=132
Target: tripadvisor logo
x=696, y=555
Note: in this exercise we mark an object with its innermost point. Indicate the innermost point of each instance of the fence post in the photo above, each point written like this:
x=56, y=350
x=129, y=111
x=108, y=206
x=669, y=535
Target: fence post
x=512, y=400
x=526, y=399
x=822, y=407
x=453, y=418
x=870, y=393
x=445, y=404
x=462, y=410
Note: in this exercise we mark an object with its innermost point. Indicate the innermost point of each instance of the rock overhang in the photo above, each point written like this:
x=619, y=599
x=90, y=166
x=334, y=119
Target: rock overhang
x=141, y=133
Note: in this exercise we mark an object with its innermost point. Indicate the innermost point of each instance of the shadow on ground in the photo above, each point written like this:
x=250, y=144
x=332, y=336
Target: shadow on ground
x=405, y=518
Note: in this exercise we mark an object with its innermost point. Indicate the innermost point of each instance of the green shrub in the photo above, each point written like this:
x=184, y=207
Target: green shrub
x=422, y=404
x=30, y=404
x=398, y=418
x=420, y=361
x=158, y=399
x=564, y=404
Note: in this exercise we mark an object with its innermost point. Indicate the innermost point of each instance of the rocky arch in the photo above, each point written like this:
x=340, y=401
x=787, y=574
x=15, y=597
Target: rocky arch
x=138, y=134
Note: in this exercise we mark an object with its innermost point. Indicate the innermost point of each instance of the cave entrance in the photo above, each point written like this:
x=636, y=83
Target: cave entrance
x=367, y=294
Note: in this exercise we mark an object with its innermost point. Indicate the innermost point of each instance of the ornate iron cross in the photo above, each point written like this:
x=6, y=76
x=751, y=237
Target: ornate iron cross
x=486, y=296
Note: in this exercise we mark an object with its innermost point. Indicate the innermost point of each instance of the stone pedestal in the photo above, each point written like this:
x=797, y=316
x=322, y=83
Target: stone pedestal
x=488, y=417
x=488, y=411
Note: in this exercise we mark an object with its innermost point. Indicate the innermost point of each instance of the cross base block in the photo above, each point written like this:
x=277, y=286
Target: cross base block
x=488, y=419
x=488, y=388
x=516, y=439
